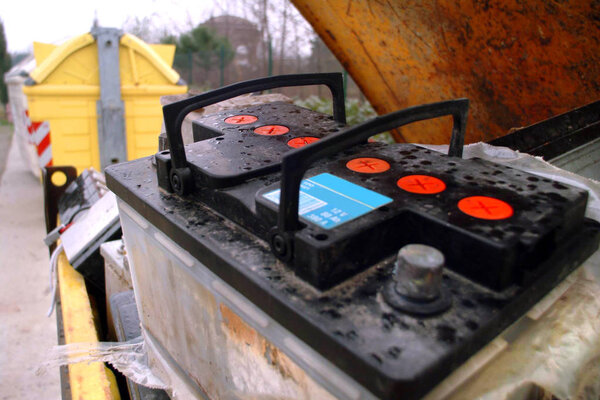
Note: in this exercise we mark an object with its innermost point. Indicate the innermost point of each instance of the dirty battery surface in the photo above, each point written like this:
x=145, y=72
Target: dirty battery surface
x=303, y=216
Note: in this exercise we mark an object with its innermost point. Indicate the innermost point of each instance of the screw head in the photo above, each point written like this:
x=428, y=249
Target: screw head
x=279, y=244
x=418, y=272
x=241, y=119
x=368, y=165
x=175, y=182
x=301, y=141
x=271, y=130
x=181, y=180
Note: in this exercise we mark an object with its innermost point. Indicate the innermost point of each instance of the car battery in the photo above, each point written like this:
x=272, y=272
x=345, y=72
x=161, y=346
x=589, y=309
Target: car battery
x=391, y=264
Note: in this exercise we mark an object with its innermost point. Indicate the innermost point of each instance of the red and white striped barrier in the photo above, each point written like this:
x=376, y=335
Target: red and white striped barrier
x=39, y=134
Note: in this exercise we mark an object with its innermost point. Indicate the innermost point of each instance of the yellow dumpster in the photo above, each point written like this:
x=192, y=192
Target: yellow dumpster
x=100, y=93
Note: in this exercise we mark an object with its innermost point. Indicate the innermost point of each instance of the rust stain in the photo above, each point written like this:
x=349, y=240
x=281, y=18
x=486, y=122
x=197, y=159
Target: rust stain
x=243, y=334
x=518, y=62
x=237, y=329
x=286, y=367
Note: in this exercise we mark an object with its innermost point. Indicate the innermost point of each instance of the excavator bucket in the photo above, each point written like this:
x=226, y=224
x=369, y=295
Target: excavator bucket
x=518, y=62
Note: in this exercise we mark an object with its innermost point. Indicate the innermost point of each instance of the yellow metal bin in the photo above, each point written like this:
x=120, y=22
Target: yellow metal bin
x=102, y=100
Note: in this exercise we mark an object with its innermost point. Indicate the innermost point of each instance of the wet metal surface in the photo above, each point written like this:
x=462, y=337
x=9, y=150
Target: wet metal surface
x=518, y=62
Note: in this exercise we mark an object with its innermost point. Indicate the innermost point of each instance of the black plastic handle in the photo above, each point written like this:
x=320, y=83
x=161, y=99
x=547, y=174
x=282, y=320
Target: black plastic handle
x=296, y=162
x=175, y=113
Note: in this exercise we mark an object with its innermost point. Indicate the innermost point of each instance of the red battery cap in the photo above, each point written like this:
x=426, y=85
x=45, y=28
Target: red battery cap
x=368, y=165
x=421, y=184
x=241, y=119
x=484, y=207
x=301, y=141
x=272, y=130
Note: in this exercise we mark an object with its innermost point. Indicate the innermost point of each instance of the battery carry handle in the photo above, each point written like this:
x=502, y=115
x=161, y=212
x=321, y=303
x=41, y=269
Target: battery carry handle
x=295, y=163
x=174, y=113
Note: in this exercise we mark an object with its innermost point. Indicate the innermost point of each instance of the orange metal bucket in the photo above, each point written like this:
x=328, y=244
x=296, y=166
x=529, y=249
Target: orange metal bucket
x=517, y=61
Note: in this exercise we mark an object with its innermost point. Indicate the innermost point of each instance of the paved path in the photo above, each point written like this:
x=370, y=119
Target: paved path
x=25, y=332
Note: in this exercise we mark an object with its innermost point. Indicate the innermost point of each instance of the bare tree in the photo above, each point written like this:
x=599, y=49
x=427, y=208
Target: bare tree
x=283, y=36
x=281, y=26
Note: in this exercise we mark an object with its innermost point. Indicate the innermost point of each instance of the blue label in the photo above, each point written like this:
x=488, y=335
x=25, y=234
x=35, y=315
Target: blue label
x=329, y=201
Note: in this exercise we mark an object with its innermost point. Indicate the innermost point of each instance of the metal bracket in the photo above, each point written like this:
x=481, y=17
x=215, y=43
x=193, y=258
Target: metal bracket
x=110, y=108
x=556, y=135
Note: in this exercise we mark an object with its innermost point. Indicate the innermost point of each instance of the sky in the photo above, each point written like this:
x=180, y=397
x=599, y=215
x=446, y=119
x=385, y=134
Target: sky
x=54, y=21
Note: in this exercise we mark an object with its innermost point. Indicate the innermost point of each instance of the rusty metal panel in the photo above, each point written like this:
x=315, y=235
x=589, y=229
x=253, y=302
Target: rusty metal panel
x=518, y=61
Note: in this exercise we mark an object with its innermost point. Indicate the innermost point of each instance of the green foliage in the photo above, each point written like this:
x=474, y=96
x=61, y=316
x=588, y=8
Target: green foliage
x=168, y=39
x=5, y=64
x=202, y=45
x=356, y=112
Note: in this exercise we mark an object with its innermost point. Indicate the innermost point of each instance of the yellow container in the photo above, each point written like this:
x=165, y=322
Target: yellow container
x=67, y=87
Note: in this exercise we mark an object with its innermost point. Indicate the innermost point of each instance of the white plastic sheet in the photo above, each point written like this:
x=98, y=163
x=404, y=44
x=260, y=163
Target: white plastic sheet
x=130, y=358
